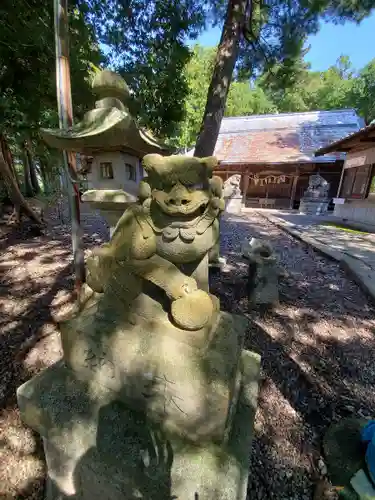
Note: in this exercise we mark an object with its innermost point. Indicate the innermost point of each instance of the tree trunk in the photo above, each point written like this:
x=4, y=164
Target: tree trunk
x=45, y=179
x=32, y=169
x=28, y=187
x=226, y=57
x=8, y=157
x=19, y=202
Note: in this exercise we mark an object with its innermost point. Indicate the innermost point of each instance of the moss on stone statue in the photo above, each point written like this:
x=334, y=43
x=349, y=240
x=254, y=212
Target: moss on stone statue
x=155, y=397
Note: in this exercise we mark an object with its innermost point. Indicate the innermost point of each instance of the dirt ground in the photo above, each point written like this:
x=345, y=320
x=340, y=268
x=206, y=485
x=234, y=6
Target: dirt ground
x=317, y=351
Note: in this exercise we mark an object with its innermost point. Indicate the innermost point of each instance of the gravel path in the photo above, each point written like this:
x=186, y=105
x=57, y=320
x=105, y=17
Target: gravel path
x=35, y=285
x=317, y=351
x=318, y=358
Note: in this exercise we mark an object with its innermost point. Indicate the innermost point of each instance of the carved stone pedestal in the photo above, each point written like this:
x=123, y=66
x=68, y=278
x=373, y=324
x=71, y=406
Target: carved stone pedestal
x=98, y=447
x=234, y=204
x=313, y=207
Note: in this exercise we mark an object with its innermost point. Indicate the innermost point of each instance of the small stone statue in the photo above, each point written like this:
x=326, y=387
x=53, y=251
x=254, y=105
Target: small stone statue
x=232, y=186
x=232, y=194
x=263, y=277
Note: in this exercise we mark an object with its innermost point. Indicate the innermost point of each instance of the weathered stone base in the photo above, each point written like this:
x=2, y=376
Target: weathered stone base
x=234, y=204
x=97, y=448
x=185, y=380
x=309, y=207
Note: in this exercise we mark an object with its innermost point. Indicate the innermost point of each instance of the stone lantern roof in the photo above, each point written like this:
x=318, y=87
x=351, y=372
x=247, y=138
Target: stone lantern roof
x=107, y=127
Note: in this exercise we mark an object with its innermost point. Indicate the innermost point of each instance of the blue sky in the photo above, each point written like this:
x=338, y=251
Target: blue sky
x=355, y=41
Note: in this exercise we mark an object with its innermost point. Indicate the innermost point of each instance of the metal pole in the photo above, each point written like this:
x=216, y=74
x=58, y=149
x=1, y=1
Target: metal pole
x=65, y=110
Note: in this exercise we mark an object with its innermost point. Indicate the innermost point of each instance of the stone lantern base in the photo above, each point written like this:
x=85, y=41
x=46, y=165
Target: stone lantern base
x=111, y=203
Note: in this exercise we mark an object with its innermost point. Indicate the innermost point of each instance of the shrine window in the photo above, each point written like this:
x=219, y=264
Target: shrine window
x=356, y=182
x=371, y=190
x=106, y=170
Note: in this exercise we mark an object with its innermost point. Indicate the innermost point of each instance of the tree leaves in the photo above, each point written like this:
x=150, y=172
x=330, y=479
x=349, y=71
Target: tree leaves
x=27, y=74
x=338, y=87
x=362, y=93
x=147, y=44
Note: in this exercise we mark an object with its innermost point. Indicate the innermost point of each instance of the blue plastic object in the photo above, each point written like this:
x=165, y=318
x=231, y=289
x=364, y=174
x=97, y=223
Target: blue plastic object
x=368, y=436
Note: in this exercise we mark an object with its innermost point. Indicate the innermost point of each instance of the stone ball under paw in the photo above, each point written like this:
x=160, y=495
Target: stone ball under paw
x=193, y=311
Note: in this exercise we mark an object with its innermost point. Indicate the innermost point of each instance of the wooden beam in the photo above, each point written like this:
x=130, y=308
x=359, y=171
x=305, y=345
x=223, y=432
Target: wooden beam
x=294, y=189
x=245, y=185
x=340, y=182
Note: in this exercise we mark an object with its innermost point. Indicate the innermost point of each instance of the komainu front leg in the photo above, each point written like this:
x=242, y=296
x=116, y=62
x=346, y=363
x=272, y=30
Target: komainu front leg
x=191, y=308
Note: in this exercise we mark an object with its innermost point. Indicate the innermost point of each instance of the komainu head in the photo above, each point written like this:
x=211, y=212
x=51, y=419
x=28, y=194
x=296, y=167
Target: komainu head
x=181, y=187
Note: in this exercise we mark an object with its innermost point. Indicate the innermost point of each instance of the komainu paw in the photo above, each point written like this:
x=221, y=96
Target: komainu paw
x=193, y=311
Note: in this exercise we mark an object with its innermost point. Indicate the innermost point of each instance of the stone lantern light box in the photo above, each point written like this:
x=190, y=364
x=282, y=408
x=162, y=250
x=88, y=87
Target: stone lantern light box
x=110, y=136
x=114, y=170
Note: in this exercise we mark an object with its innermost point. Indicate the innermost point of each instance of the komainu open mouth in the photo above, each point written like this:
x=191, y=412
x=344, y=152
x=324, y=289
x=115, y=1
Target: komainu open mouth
x=184, y=219
x=187, y=212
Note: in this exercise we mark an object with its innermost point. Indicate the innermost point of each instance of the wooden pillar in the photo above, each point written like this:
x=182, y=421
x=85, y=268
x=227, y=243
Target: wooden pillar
x=245, y=186
x=294, y=188
x=341, y=180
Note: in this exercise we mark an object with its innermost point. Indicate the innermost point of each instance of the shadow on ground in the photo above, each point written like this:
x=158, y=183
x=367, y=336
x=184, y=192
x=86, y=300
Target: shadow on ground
x=35, y=288
x=317, y=349
x=318, y=354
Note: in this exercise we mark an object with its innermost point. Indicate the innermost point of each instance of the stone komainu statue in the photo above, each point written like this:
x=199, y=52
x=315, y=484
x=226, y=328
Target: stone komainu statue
x=160, y=246
x=318, y=186
x=232, y=185
x=155, y=396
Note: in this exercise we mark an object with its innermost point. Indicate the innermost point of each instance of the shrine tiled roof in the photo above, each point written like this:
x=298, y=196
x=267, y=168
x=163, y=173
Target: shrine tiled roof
x=283, y=138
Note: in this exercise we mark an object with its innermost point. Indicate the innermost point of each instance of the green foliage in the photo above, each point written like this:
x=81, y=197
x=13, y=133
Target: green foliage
x=242, y=100
x=27, y=55
x=27, y=70
x=277, y=30
x=259, y=37
x=147, y=45
x=146, y=42
x=363, y=92
x=197, y=74
x=246, y=100
x=336, y=88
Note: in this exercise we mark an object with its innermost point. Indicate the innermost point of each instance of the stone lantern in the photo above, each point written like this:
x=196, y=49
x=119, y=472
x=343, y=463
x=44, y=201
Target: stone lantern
x=113, y=146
